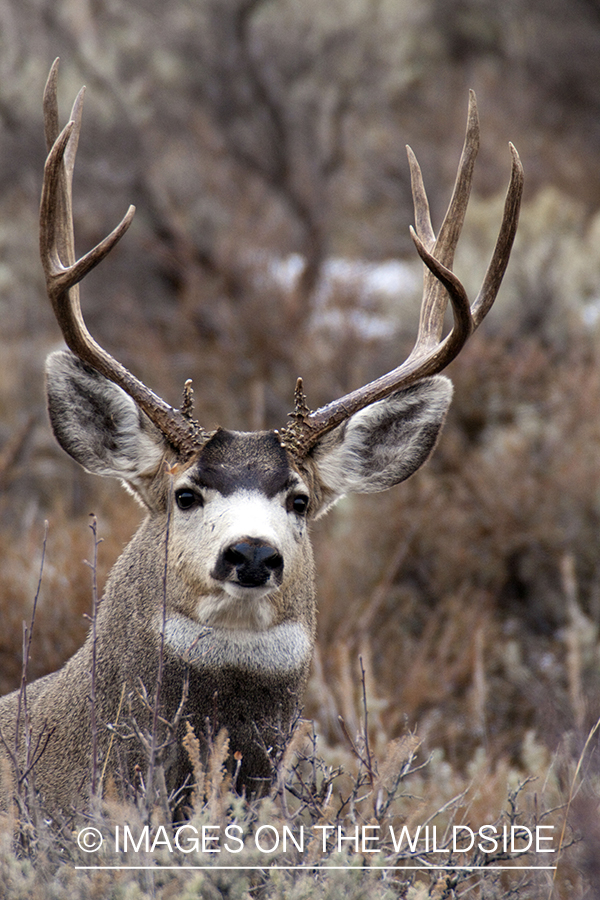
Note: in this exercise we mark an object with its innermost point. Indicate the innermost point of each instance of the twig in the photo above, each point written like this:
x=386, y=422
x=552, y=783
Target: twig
x=571, y=795
x=95, y=605
x=154, y=749
x=112, y=736
x=22, y=704
x=365, y=759
x=366, y=726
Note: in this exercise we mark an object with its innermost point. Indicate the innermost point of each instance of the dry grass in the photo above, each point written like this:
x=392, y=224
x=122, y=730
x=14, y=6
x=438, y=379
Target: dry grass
x=323, y=829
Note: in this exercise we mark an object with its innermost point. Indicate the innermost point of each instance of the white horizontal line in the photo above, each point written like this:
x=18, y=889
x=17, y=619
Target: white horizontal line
x=310, y=867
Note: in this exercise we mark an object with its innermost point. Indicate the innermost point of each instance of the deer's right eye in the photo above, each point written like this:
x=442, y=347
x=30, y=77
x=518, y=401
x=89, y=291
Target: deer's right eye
x=186, y=499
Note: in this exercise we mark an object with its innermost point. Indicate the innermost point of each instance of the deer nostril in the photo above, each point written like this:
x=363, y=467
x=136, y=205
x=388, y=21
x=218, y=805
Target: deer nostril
x=269, y=557
x=275, y=561
x=235, y=556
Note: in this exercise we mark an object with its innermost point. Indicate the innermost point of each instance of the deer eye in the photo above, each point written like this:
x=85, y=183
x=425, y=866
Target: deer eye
x=300, y=504
x=186, y=499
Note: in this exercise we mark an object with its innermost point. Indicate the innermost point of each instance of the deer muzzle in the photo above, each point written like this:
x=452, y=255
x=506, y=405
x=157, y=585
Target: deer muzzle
x=250, y=562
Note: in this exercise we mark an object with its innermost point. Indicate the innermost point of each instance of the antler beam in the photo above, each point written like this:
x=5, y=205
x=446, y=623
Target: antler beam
x=63, y=272
x=430, y=354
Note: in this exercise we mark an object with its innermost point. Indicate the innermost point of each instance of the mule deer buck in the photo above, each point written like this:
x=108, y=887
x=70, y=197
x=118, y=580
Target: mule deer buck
x=216, y=589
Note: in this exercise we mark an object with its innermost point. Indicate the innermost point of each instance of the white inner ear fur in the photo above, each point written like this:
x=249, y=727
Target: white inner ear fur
x=98, y=424
x=140, y=450
x=386, y=442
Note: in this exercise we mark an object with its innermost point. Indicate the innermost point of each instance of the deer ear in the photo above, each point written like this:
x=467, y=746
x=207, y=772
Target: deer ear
x=98, y=424
x=384, y=443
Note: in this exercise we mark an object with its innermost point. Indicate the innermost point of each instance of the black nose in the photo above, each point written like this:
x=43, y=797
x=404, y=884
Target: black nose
x=251, y=562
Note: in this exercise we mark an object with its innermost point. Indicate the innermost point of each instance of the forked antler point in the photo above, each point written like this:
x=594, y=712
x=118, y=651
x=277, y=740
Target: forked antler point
x=431, y=353
x=64, y=272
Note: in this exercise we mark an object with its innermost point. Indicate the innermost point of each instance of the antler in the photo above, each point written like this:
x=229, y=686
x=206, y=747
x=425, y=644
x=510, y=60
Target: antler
x=63, y=272
x=430, y=354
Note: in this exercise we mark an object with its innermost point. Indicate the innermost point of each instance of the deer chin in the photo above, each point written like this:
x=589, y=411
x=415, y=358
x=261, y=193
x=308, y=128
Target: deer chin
x=248, y=593
x=238, y=607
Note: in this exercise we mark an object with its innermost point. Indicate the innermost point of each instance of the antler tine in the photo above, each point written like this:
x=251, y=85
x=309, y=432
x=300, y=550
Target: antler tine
x=50, y=106
x=434, y=303
x=499, y=261
x=64, y=272
x=430, y=354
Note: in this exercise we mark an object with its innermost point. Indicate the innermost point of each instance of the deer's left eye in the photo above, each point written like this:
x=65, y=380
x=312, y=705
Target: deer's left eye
x=299, y=504
x=186, y=499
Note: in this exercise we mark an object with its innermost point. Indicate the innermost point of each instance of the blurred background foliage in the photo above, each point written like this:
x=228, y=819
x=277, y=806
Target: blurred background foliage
x=262, y=142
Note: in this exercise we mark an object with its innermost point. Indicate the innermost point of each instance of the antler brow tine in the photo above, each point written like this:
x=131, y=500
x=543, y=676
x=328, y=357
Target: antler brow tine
x=430, y=353
x=64, y=272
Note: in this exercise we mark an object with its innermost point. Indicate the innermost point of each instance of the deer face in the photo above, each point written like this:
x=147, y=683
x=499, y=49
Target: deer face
x=237, y=511
x=239, y=529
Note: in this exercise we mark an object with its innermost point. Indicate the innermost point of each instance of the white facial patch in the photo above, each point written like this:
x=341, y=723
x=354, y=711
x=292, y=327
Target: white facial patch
x=200, y=536
x=250, y=514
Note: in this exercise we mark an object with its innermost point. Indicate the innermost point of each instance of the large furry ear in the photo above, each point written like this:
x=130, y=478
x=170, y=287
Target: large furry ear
x=384, y=443
x=99, y=425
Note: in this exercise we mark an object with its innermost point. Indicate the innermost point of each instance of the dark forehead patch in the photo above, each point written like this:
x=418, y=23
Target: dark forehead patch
x=232, y=460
